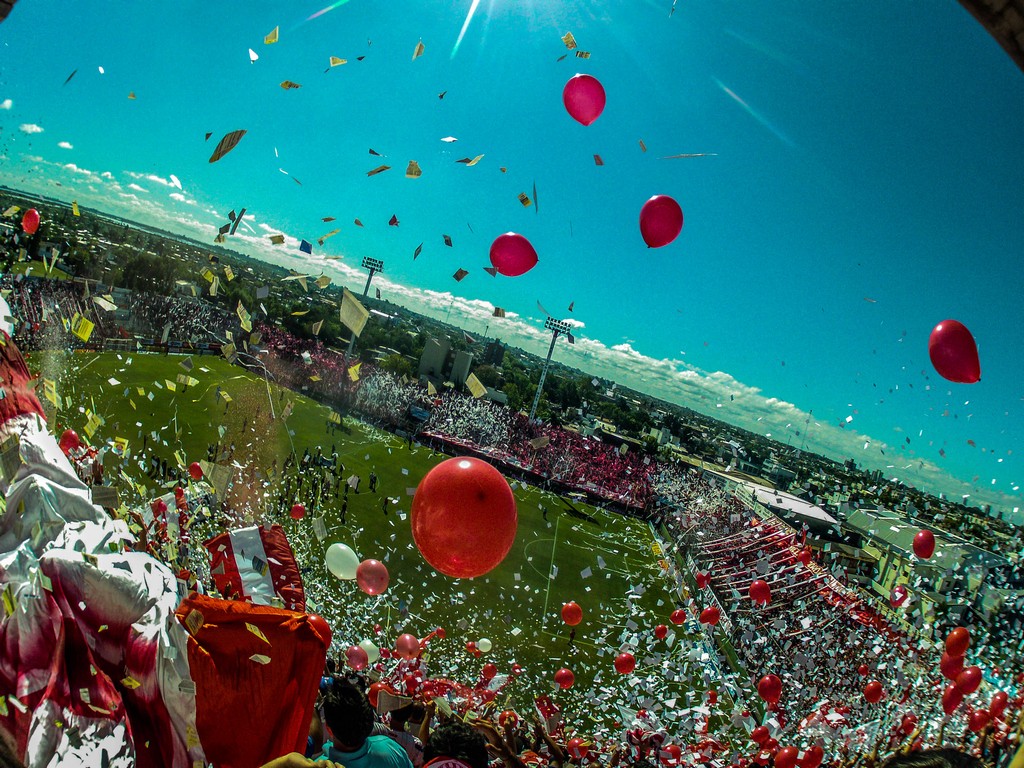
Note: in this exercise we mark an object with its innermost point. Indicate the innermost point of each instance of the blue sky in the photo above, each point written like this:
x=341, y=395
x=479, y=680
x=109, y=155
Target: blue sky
x=860, y=151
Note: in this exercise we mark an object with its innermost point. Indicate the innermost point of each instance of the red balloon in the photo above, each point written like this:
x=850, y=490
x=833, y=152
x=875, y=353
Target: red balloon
x=969, y=680
x=998, y=705
x=670, y=754
x=578, y=748
x=702, y=580
x=489, y=671
x=356, y=657
x=69, y=440
x=769, y=688
x=898, y=596
x=760, y=735
x=812, y=757
x=375, y=689
x=625, y=663
x=512, y=255
x=572, y=614
x=159, y=506
x=584, y=98
x=464, y=517
x=298, y=511
x=710, y=615
x=951, y=698
x=678, y=616
x=321, y=627
x=661, y=221
x=786, y=757
x=372, y=577
x=873, y=692
x=908, y=724
x=863, y=670
x=760, y=592
x=951, y=666
x=508, y=717
x=954, y=352
x=661, y=631
x=958, y=641
x=979, y=719
x=924, y=544
x=30, y=221
x=471, y=647
x=407, y=646
x=805, y=556
x=440, y=633
x=195, y=471
x=565, y=678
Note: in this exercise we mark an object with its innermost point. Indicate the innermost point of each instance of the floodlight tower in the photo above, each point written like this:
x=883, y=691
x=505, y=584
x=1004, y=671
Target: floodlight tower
x=375, y=266
x=556, y=327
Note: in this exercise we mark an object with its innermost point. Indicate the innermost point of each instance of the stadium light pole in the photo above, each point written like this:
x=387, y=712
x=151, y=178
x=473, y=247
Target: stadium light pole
x=556, y=327
x=375, y=266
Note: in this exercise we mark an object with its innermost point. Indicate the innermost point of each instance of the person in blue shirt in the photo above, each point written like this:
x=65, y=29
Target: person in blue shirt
x=350, y=722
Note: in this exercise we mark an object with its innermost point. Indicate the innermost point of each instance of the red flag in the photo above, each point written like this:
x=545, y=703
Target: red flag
x=256, y=564
x=252, y=663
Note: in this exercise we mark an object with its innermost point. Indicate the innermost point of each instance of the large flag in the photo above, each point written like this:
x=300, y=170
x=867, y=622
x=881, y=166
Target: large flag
x=256, y=564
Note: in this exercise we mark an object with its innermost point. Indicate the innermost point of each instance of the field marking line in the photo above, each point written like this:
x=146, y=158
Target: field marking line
x=547, y=592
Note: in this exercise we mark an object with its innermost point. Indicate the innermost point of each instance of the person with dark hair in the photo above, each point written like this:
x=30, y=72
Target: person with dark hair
x=934, y=758
x=459, y=741
x=412, y=745
x=350, y=722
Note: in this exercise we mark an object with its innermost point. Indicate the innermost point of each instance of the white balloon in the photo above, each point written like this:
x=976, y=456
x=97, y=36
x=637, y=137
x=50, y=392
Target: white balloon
x=372, y=651
x=483, y=645
x=342, y=561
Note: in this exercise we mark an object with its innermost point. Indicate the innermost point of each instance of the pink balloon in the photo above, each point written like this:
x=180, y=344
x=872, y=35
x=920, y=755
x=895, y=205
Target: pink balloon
x=584, y=98
x=954, y=353
x=30, y=221
x=661, y=221
x=512, y=254
x=372, y=577
x=356, y=657
x=407, y=646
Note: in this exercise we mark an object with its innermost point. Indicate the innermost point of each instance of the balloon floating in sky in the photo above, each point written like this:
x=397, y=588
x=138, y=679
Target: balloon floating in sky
x=873, y=692
x=30, y=221
x=954, y=352
x=625, y=663
x=69, y=440
x=484, y=645
x=958, y=641
x=760, y=592
x=371, y=650
x=407, y=646
x=710, y=615
x=565, y=678
x=195, y=471
x=356, y=657
x=924, y=544
x=342, y=561
x=298, y=511
x=584, y=98
x=769, y=688
x=678, y=616
x=464, y=517
x=661, y=221
x=372, y=577
x=512, y=255
x=572, y=614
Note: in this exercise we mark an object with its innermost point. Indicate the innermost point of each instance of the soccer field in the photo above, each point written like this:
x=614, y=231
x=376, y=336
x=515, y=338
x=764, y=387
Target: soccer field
x=602, y=560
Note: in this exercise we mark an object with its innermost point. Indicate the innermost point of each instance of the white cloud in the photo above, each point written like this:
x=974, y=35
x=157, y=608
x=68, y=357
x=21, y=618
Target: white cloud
x=65, y=145
x=136, y=187
x=177, y=196
x=150, y=177
x=30, y=128
x=75, y=169
x=107, y=175
x=6, y=104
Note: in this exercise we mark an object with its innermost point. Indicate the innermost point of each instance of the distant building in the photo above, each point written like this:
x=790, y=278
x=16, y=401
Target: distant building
x=460, y=368
x=494, y=353
x=432, y=361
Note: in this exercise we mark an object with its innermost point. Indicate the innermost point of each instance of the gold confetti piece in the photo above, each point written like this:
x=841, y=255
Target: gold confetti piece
x=469, y=163
x=300, y=313
x=598, y=160
x=643, y=147
x=358, y=223
x=353, y=372
x=226, y=144
x=378, y=169
x=413, y=171
x=582, y=54
x=277, y=239
x=272, y=37
x=131, y=95
x=194, y=620
x=569, y=40
x=525, y=200
x=503, y=169
x=74, y=208
x=288, y=85
x=260, y=658
x=459, y=275
x=447, y=240
x=257, y=631
x=418, y=51
x=130, y=683
x=336, y=62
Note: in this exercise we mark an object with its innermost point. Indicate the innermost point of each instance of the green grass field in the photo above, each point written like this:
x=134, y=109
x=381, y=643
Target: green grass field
x=38, y=269
x=516, y=606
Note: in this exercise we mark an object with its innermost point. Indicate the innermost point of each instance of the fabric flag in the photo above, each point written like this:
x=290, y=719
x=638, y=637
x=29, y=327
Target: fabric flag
x=353, y=314
x=257, y=663
x=81, y=327
x=256, y=564
x=353, y=372
x=74, y=208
